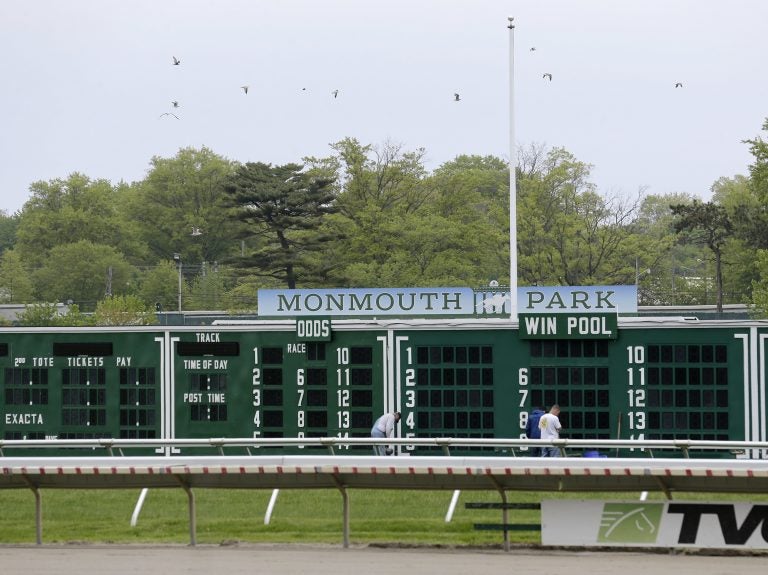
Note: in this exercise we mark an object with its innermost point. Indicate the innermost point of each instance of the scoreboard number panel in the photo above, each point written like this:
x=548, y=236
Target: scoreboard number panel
x=575, y=374
x=457, y=384
x=80, y=384
x=277, y=384
x=684, y=384
x=648, y=384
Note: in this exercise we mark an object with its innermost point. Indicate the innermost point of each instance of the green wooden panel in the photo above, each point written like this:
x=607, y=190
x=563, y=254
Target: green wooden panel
x=277, y=386
x=80, y=385
x=660, y=381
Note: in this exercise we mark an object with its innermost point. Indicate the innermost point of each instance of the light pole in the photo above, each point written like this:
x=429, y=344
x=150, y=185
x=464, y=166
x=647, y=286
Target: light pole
x=512, y=177
x=177, y=259
x=638, y=272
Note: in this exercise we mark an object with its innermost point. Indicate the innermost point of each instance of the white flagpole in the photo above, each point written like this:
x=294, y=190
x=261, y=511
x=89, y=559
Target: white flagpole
x=512, y=178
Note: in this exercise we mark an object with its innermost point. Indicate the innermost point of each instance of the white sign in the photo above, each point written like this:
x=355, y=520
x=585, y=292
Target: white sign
x=361, y=302
x=366, y=302
x=654, y=524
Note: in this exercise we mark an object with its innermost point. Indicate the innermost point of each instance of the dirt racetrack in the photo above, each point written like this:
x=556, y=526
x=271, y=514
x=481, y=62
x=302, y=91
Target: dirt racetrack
x=367, y=560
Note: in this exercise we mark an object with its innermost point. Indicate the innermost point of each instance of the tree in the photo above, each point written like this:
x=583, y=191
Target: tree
x=68, y=211
x=739, y=262
x=397, y=225
x=760, y=286
x=159, y=285
x=15, y=282
x=85, y=271
x=658, y=256
x=179, y=208
x=47, y=315
x=706, y=223
x=471, y=193
x=751, y=217
x=284, y=207
x=383, y=176
x=123, y=310
x=208, y=290
x=8, y=227
x=568, y=233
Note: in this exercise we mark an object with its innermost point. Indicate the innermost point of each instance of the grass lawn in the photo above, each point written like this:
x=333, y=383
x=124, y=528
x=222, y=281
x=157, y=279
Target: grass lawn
x=311, y=516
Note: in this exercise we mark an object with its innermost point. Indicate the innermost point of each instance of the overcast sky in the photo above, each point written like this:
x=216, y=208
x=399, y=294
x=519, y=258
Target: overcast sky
x=84, y=84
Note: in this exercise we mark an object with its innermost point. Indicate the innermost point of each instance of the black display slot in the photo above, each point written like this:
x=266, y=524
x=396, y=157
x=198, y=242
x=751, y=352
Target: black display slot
x=196, y=348
x=74, y=349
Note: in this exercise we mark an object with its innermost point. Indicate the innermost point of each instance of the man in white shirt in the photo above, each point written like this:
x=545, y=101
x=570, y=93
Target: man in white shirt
x=550, y=427
x=384, y=427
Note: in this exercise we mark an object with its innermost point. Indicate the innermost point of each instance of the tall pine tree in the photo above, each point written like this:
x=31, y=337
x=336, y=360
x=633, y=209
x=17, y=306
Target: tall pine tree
x=283, y=207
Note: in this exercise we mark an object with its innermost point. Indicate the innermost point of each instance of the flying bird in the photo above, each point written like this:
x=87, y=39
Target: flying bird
x=196, y=232
x=245, y=88
x=679, y=85
x=533, y=48
x=547, y=76
x=169, y=114
x=175, y=104
x=335, y=93
x=456, y=97
x=176, y=61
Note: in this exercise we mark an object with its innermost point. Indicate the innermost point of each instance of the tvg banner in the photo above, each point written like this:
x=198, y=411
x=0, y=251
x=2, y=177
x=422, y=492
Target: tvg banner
x=655, y=524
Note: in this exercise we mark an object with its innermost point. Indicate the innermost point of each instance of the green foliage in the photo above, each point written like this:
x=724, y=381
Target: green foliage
x=385, y=177
x=179, y=207
x=15, y=282
x=567, y=233
x=398, y=226
x=283, y=206
x=760, y=286
x=67, y=211
x=658, y=257
x=160, y=285
x=123, y=310
x=753, y=217
x=8, y=227
x=242, y=296
x=368, y=215
x=208, y=290
x=49, y=315
x=708, y=224
x=84, y=270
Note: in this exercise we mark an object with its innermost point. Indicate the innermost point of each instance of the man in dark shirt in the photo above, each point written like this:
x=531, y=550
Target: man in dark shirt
x=532, y=430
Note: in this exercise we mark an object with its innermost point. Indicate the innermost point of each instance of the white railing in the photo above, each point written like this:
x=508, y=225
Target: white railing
x=744, y=469
x=514, y=447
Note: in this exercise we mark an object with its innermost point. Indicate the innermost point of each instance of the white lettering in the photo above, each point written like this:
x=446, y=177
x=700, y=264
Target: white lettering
x=311, y=328
x=541, y=325
x=24, y=419
x=83, y=361
x=206, y=337
x=574, y=299
x=587, y=325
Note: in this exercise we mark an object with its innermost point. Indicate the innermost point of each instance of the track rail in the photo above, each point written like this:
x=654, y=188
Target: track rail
x=501, y=473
